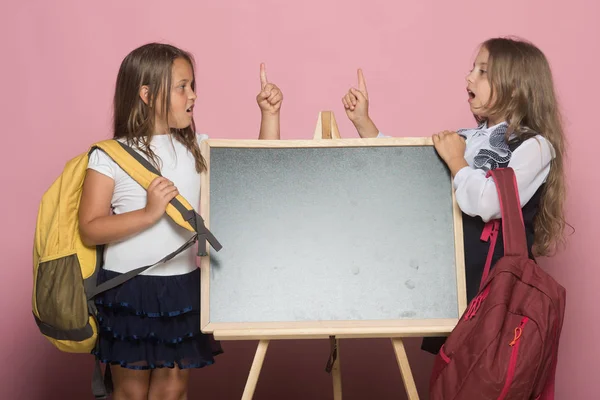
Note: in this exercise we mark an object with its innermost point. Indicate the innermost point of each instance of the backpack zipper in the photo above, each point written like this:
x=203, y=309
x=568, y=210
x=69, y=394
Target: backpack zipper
x=512, y=365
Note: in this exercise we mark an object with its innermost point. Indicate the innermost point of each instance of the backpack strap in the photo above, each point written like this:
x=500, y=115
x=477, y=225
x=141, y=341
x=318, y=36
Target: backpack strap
x=116, y=281
x=490, y=233
x=143, y=172
x=102, y=384
x=513, y=227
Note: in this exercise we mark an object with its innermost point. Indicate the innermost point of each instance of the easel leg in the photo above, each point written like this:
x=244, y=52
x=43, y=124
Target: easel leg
x=259, y=357
x=409, y=382
x=337, y=375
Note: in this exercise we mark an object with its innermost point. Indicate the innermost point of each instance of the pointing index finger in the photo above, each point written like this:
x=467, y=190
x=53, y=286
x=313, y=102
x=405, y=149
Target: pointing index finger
x=362, y=85
x=263, y=76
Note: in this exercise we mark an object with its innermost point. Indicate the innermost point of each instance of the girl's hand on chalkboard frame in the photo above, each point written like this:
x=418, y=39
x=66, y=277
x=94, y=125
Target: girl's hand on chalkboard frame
x=451, y=148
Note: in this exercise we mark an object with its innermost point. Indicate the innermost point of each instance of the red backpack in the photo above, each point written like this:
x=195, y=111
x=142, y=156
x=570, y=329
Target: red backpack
x=505, y=345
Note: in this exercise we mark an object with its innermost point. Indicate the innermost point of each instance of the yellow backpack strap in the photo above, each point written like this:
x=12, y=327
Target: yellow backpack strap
x=179, y=209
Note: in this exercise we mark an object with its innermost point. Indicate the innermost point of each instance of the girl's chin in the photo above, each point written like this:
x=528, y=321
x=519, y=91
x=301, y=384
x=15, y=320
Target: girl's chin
x=182, y=125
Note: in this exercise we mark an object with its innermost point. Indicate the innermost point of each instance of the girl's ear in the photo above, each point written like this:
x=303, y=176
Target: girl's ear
x=144, y=90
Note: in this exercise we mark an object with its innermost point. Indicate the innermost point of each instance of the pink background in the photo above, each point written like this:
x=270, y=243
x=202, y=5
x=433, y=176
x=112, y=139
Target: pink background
x=59, y=63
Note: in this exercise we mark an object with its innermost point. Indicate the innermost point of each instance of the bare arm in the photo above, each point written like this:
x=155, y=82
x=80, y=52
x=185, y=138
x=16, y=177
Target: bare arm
x=269, y=127
x=366, y=128
x=96, y=223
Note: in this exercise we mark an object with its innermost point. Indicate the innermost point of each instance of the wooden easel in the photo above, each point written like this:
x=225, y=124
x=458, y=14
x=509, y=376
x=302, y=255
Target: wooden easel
x=327, y=129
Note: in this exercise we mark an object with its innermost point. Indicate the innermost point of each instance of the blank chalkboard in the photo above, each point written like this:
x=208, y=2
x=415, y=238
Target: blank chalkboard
x=321, y=237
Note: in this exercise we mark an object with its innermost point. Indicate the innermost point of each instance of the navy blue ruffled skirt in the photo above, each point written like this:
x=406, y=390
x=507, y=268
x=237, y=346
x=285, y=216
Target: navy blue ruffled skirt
x=153, y=322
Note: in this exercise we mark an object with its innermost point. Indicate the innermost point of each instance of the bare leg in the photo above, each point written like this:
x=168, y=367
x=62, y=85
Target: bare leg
x=130, y=384
x=169, y=384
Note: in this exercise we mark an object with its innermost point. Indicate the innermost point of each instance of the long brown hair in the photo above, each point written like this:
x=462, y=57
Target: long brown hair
x=522, y=90
x=150, y=65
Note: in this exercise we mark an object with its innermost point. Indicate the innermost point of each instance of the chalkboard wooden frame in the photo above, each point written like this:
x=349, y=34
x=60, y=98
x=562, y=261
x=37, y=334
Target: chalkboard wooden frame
x=324, y=329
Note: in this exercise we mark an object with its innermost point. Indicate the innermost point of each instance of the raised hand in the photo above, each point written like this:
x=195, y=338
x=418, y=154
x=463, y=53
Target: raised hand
x=270, y=97
x=356, y=104
x=356, y=101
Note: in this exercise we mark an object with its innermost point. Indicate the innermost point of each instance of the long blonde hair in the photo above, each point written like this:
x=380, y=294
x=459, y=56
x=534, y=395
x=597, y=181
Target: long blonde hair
x=134, y=120
x=523, y=91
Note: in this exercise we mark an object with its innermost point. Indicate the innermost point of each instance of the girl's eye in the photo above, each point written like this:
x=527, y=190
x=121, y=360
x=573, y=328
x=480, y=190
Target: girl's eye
x=482, y=71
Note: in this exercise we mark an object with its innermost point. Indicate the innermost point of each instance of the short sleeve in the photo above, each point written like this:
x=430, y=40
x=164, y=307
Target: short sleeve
x=201, y=137
x=100, y=162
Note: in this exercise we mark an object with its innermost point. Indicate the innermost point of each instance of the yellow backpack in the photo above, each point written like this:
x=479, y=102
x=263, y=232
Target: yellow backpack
x=65, y=269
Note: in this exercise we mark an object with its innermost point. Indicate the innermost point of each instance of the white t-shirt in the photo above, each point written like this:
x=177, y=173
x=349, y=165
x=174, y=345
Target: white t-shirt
x=149, y=246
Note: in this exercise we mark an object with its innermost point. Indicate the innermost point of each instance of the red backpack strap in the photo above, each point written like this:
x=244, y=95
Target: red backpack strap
x=513, y=227
x=490, y=233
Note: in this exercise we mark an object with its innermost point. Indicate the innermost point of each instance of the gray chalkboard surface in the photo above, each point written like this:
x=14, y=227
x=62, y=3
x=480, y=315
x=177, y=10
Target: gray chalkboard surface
x=354, y=237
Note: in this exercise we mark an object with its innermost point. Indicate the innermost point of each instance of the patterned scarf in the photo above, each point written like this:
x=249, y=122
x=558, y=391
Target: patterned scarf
x=496, y=153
